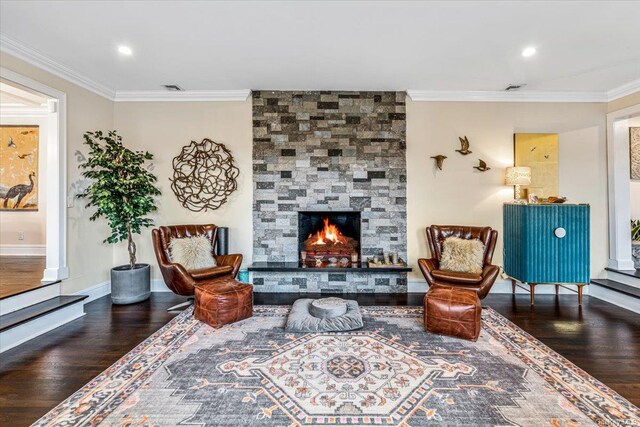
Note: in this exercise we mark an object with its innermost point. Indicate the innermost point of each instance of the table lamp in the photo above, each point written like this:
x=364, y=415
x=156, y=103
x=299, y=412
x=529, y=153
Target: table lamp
x=517, y=176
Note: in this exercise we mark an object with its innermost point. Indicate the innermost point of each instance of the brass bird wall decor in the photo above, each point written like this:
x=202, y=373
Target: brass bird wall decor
x=439, y=160
x=464, y=143
x=482, y=166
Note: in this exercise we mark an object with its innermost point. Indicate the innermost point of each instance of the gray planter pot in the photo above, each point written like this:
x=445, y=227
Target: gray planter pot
x=635, y=254
x=129, y=286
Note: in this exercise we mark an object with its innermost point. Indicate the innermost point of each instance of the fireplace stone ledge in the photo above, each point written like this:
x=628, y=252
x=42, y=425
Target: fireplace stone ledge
x=296, y=267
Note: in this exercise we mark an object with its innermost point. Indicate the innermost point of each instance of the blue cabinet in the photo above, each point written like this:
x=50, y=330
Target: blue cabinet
x=547, y=244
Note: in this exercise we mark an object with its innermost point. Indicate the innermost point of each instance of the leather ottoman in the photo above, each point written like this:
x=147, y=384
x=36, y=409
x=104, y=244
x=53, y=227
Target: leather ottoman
x=452, y=311
x=222, y=301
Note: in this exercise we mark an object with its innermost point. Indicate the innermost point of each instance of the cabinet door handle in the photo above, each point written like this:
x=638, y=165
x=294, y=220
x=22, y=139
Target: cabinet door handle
x=560, y=232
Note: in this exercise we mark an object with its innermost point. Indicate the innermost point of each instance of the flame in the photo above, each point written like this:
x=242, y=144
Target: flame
x=330, y=233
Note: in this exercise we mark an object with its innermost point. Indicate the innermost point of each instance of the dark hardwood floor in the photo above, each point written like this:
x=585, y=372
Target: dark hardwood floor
x=601, y=338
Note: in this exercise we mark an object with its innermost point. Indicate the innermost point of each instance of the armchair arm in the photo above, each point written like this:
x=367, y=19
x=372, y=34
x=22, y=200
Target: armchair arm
x=489, y=275
x=177, y=278
x=427, y=265
x=233, y=260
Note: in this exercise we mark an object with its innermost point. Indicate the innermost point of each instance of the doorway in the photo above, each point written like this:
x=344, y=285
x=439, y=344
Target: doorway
x=620, y=186
x=32, y=184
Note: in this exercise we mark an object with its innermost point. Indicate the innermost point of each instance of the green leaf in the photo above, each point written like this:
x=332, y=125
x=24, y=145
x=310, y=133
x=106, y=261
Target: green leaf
x=121, y=188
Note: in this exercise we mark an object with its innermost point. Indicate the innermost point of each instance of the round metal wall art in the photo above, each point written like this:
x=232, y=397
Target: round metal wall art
x=204, y=175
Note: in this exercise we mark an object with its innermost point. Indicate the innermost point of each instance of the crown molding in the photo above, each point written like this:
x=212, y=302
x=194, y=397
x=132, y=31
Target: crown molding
x=624, y=90
x=33, y=57
x=183, y=96
x=502, y=96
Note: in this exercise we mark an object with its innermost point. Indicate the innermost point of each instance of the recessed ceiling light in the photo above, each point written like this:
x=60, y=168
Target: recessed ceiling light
x=529, y=51
x=125, y=50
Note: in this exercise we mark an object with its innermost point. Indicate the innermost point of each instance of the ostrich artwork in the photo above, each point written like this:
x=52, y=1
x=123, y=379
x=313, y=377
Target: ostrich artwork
x=20, y=191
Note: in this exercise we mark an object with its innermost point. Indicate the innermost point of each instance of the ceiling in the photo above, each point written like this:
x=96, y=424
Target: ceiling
x=582, y=46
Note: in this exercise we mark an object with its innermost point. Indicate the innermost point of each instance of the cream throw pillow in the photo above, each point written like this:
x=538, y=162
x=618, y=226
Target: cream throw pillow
x=462, y=255
x=192, y=253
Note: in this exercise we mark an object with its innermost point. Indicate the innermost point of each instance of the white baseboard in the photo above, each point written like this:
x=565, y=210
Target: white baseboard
x=158, y=285
x=416, y=286
x=56, y=273
x=103, y=289
x=23, y=250
x=94, y=292
x=613, y=297
x=502, y=287
x=36, y=327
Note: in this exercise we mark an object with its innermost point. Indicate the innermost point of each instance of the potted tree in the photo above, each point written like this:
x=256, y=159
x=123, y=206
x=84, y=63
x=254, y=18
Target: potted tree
x=635, y=242
x=122, y=191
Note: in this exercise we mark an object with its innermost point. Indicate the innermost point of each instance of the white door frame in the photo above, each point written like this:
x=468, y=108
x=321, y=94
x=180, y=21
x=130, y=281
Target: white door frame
x=619, y=170
x=56, y=176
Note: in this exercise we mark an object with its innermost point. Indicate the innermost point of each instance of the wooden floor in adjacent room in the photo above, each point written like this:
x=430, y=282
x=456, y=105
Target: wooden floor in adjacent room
x=600, y=338
x=20, y=274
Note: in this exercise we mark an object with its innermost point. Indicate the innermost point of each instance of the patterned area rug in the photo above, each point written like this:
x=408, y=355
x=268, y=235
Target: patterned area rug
x=391, y=373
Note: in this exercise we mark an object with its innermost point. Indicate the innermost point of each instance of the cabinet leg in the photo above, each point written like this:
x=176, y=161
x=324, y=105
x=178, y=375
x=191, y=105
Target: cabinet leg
x=532, y=292
x=557, y=289
x=580, y=294
x=513, y=286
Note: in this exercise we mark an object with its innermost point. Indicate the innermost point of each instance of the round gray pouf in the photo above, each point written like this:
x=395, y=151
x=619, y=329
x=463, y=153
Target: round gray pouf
x=328, y=308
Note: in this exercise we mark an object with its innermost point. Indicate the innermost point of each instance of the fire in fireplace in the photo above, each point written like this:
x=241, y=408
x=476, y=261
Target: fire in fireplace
x=329, y=239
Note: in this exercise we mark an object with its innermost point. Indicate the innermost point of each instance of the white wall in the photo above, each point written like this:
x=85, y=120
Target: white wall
x=458, y=194
x=461, y=195
x=32, y=224
x=163, y=128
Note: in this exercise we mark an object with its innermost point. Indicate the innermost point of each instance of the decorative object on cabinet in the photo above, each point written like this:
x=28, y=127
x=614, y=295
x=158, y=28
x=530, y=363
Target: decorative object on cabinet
x=204, y=175
x=464, y=146
x=18, y=166
x=439, y=160
x=517, y=176
x=538, y=151
x=556, y=199
x=533, y=199
x=482, y=166
x=634, y=152
x=547, y=244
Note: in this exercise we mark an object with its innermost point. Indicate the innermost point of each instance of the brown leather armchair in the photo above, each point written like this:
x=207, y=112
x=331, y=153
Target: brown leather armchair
x=177, y=278
x=481, y=283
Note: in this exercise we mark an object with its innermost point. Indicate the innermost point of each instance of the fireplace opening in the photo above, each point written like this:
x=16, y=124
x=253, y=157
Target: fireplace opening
x=328, y=238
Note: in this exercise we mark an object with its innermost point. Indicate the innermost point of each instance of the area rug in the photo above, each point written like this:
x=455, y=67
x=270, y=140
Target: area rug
x=390, y=373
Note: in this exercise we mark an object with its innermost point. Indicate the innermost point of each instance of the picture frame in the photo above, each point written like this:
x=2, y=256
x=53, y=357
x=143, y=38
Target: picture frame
x=19, y=158
x=634, y=153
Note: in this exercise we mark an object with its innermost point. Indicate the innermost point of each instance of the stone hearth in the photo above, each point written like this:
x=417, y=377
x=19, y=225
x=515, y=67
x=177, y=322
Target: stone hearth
x=328, y=151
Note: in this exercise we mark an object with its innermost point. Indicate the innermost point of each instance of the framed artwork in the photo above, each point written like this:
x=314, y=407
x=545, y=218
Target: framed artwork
x=634, y=152
x=19, y=167
x=539, y=151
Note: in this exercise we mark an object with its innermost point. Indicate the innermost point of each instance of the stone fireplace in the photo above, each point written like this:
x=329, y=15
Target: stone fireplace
x=334, y=152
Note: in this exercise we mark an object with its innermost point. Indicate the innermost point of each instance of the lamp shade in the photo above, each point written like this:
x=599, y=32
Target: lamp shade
x=518, y=175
